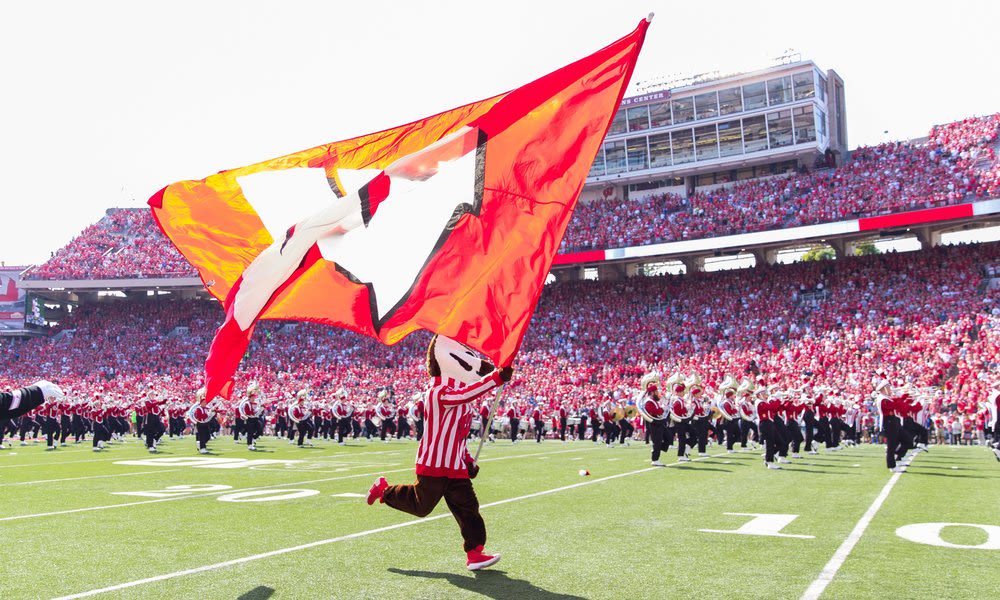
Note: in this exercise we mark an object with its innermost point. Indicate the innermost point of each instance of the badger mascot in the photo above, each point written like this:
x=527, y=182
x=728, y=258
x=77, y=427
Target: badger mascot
x=444, y=467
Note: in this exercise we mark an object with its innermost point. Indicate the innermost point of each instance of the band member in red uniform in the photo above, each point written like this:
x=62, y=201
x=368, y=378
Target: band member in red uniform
x=444, y=467
x=766, y=413
x=729, y=410
x=890, y=424
x=514, y=416
x=680, y=415
x=538, y=424
x=652, y=412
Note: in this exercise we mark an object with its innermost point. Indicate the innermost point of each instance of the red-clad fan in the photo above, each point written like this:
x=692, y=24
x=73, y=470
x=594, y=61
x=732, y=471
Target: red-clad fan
x=444, y=466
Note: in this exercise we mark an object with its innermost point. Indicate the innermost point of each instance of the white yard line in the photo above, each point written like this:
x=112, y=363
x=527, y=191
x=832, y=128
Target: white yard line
x=816, y=588
x=351, y=536
x=88, y=477
x=263, y=487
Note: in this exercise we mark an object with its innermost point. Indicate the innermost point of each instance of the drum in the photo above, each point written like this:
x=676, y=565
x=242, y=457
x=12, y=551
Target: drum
x=548, y=426
x=476, y=425
x=573, y=421
x=523, y=425
x=505, y=422
x=377, y=421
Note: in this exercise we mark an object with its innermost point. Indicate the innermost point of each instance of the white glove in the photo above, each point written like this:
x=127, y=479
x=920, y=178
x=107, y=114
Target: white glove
x=50, y=390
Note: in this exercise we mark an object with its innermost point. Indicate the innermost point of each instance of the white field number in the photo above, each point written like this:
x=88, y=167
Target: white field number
x=248, y=496
x=930, y=534
x=762, y=524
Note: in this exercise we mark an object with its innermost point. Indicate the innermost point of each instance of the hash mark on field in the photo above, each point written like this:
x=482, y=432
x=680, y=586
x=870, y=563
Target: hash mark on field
x=348, y=495
x=350, y=536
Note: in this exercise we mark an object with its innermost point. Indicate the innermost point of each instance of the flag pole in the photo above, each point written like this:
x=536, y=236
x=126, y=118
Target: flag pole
x=488, y=423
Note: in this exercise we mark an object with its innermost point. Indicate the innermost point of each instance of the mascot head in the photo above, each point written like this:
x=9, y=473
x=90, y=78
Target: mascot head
x=447, y=358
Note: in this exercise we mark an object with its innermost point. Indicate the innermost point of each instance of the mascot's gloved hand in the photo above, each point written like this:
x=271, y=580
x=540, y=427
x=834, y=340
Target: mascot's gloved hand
x=506, y=373
x=50, y=390
x=472, y=466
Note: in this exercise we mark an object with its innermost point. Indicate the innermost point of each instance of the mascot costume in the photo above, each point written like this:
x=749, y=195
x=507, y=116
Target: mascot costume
x=459, y=377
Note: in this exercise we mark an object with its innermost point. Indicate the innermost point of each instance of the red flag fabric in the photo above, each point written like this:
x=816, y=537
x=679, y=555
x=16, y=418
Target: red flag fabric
x=449, y=224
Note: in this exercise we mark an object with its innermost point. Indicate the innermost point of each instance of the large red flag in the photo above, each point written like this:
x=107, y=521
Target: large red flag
x=449, y=224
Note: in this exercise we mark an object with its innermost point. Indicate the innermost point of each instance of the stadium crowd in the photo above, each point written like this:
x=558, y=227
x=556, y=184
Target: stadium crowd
x=957, y=162
x=927, y=318
x=124, y=244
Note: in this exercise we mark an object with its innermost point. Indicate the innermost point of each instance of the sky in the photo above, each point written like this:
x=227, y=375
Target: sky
x=104, y=103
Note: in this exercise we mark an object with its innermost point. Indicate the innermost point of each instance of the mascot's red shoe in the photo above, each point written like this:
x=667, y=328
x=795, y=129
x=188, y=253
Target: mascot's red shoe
x=477, y=560
x=375, y=492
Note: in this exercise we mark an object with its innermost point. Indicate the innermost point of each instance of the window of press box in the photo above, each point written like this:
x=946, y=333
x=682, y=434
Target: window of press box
x=730, y=101
x=618, y=124
x=683, y=110
x=614, y=156
x=821, y=124
x=706, y=106
x=597, y=169
x=779, y=128
x=659, y=150
x=659, y=114
x=805, y=124
x=754, y=96
x=683, y=146
x=638, y=156
x=706, y=142
x=638, y=118
x=730, y=138
x=805, y=86
x=822, y=89
x=754, y=134
x=779, y=91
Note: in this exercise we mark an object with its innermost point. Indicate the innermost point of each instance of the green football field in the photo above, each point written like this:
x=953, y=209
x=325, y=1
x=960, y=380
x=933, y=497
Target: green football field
x=127, y=524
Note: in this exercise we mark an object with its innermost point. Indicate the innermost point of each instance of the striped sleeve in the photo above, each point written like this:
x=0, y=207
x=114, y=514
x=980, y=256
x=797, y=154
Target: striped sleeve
x=453, y=397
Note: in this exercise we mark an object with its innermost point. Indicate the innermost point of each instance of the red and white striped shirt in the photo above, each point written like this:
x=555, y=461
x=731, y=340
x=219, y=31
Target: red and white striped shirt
x=448, y=413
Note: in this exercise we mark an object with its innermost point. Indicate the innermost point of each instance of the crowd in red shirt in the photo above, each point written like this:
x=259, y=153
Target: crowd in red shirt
x=125, y=244
x=927, y=318
x=956, y=163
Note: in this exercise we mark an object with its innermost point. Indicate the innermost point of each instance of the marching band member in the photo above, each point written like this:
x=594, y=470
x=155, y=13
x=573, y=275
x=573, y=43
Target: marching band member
x=652, y=412
x=992, y=406
x=624, y=426
x=794, y=409
x=748, y=414
x=728, y=407
x=538, y=423
x=201, y=414
x=417, y=412
x=514, y=416
x=153, y=426
x=343, y=415
x=563, y=414
x=299, y=414
x=582, y=414
x=444, y=467
x=250, y=410
x=767, y=409
x=890, y=424
x=384, y=412
x=700, y=413
x=680, y=415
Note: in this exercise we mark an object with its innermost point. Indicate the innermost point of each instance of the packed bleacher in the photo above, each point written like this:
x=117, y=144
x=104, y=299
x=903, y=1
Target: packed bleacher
x=125, y=244
x=928, y=318
x=956, y=163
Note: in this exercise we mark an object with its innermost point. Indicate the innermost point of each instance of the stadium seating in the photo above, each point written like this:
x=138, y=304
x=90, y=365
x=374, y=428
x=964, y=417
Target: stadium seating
x=125, y=244
x=956, y=163
x=928, y=317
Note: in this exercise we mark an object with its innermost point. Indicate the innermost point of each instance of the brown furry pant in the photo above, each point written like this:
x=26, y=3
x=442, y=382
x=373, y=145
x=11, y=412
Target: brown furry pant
x=421, y=497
